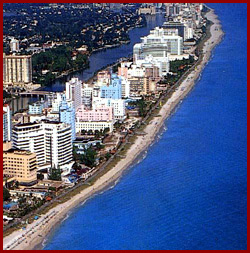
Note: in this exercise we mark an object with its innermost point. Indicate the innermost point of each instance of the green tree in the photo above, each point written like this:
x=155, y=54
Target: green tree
x=106, y=130
x=99, y=146
x=97, y=134
x=107, y=156
x=90, y=132
x=76, y=166
x=142, y=107
x=40, y=176
x=83, y=132
x=89, y=157
x=75, y=154
x=55, y=174
x=52, y=189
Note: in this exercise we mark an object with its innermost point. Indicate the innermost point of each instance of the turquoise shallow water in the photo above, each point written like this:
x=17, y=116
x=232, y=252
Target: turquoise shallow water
x=190, y=192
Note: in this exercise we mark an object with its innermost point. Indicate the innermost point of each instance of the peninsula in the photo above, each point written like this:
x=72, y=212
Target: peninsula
x=36, y=232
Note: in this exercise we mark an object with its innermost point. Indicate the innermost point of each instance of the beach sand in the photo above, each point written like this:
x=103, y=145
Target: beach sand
x=35, y=233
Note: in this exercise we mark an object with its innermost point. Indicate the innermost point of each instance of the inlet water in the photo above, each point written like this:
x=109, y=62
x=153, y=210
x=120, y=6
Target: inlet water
x=103, y=58
x=190, y=192
x=97, y=61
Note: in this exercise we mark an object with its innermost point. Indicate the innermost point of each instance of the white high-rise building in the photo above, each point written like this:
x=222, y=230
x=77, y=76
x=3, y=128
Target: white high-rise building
x=74, y=92
x=158, y=44
x=125, y=87
x=188, y=31
x=6, y=123
x=14, y=45
x=50, y=141
x=157, y=48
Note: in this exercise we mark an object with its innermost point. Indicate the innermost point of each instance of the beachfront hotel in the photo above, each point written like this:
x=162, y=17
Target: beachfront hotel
x=158, y=44
x=97, y=114
x=94, y=119
x=118, y=106
x=51, y=141
x=20, y=165
x=94, y=125
x=63, y=110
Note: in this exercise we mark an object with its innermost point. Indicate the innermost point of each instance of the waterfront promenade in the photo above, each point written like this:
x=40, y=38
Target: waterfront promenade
x=36, y=233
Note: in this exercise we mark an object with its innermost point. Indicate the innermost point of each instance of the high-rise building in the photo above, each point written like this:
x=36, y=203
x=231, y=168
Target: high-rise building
x=160, y=65
x=14, y=45
x=63, y=110
x=136, y=84
x=103, y=77
x=67, y=115
x=144, y=74
x=20, y=165
x=7, y=123
x=158, y=44
x=50, y=141
x=17, y=69
x=114, y=90
x=125, y=87
x=74, y=92
x=172, y=9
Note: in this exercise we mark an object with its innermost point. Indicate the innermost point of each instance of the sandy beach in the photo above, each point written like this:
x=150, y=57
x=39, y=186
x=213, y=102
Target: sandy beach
x=36, y=232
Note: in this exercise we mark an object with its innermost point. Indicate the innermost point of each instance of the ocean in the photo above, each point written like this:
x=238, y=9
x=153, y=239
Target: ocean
x=190, y=190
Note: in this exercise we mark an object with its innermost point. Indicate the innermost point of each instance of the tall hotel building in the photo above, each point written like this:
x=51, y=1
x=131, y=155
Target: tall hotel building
x=74, y=92
x=50, y=141
x=17, y=69
x=158, y=44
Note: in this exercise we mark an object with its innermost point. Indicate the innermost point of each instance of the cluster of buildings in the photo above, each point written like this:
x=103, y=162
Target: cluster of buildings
x=49, y=129
x=44, y=137
x=174, y=40
x=186, y=18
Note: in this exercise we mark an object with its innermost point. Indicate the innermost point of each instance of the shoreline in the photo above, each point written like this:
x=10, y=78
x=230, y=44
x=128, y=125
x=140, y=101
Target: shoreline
x=36, y=232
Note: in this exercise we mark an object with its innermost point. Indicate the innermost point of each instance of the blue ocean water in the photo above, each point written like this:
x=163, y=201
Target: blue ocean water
x=190, y=192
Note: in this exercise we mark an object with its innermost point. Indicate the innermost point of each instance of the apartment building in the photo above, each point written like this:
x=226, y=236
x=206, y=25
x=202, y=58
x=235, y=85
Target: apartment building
x=17, y=69
x=20, y=165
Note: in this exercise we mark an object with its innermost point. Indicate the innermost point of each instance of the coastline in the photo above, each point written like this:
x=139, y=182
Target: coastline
x=40, y=229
